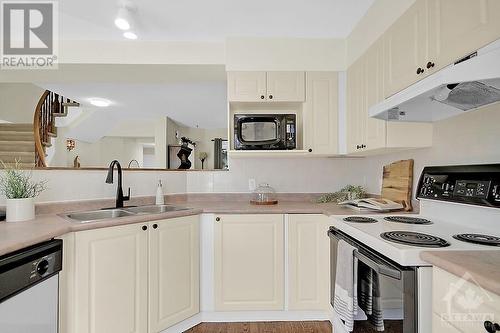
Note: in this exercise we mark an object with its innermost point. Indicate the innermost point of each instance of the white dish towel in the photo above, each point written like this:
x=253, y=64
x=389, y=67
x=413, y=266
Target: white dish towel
x=345, y=300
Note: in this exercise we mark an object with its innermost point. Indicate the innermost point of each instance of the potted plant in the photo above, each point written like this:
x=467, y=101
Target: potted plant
x=20, y=190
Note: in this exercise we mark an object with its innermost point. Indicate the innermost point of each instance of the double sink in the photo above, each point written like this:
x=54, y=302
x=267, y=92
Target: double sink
x=97, y=215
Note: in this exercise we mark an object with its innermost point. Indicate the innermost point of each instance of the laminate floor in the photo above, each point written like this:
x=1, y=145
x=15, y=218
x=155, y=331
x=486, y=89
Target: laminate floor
x=264, y=327
x=289, y=327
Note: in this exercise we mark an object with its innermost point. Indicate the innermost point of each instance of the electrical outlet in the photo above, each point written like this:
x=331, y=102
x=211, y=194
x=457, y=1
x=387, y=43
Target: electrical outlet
x=251, y=184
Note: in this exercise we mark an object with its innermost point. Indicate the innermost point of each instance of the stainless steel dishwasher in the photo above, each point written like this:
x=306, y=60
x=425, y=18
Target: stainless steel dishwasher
x=29, y=289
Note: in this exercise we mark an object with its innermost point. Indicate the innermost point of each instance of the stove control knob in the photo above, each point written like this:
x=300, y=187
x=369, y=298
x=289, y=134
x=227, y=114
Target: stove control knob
x=42, y=267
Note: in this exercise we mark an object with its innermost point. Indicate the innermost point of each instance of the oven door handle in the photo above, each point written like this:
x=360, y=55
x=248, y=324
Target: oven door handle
x=378, y=267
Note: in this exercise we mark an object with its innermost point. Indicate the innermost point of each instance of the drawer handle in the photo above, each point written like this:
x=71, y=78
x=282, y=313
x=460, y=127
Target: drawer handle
x=144, y=228
x=270, y=96
x=491, y=327
x=217, y=219
x=262, y=96
x=420, y=70
x=430, y=65
x=155, y=226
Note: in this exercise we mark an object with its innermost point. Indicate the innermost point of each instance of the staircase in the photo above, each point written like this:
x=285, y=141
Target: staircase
x=50, y=106
x=26, y=144
x=17, y=143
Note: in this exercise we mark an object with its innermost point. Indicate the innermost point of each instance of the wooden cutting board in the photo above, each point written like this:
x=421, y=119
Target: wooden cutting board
x=397, y=183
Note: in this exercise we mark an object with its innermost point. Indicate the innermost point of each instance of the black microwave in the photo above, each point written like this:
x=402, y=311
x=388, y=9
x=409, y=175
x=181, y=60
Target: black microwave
x=265, y=132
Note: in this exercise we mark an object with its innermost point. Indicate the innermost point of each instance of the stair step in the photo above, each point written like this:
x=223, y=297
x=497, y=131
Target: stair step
x=16, y=127
x=28, y=165
x=46, y=144
x=22, y=157
x=16, y=136
x=62, y=114
x=17, y=146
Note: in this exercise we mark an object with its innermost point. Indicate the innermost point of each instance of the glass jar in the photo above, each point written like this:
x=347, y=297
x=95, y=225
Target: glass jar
x=264, y=195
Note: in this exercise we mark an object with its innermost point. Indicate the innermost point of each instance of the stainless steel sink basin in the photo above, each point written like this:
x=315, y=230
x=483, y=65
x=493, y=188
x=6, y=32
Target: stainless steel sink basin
x=155, y=209
x=96, y=215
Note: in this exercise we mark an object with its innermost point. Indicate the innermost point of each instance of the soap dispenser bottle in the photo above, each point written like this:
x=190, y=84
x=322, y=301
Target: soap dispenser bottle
x=160, y=199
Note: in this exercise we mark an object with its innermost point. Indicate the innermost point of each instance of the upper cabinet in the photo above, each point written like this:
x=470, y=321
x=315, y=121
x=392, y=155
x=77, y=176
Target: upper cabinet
x=405, y=49
x=459, y=27
x=246, y=86
x=266, y=86
x=321, y=112
x=433, y=34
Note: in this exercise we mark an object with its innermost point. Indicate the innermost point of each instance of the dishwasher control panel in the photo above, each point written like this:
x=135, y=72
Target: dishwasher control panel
x=22, y=269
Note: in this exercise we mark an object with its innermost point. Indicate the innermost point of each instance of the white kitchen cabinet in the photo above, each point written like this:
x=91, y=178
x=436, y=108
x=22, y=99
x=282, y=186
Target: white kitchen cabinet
x=321, y=113
x=405, y=49
x=285, y=86
x=308, y=262
x=455, y=297
x=265, y=86
x=459, y=27
x=246, y=86
x=111, y=280
x=174, y=261
x=368, y=136
x=134, y=278
x=249, y=262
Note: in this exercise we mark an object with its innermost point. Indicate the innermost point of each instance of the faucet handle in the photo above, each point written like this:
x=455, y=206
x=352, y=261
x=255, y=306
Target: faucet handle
x=126, y=198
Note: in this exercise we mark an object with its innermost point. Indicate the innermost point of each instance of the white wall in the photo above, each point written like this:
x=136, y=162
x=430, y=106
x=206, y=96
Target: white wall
x=18, y=102
x=471, y=138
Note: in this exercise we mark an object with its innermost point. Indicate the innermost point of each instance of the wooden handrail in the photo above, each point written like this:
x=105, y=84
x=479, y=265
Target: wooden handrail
x=40, y=126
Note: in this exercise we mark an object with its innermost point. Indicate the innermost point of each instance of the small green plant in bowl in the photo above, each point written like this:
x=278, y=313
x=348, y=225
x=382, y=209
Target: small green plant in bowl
x=19, y=188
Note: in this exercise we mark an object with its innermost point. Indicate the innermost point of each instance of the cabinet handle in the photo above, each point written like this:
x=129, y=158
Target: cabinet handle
x=420, y=70
x=217, y=219
x=363, y=146
x=262, y=96
x=310, y=150
x=155, y=226
x=358, y=147
x=144, y=228
x=430, y=65
x=270, y=96
x=491, y=327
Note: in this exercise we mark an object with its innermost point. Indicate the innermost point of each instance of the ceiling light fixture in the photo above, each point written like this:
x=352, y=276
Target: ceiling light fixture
x=130, y=35
x=100, y=102
x=123, y=18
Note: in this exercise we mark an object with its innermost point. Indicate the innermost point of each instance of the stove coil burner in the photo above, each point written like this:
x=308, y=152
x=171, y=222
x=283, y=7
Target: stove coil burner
x=360, y=219
x=414, y=238
x=407, y=219
x=479, y=239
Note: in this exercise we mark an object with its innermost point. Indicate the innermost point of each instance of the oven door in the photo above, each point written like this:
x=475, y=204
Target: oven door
x=397, y=285
x=258, y=132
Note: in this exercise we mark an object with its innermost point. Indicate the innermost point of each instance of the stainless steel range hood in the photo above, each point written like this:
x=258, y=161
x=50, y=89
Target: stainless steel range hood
x=467, y=85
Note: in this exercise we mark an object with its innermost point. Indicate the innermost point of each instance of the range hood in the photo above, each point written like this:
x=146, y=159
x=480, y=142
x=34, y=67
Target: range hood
x=466, y=85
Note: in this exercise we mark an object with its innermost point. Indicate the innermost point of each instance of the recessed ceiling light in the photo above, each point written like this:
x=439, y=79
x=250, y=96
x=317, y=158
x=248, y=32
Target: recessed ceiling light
x=129, y=35
x=122, y=20
x=100, y=102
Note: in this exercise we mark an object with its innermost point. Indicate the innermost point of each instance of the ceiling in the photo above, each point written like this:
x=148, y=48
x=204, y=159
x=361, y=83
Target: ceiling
x=214, y=20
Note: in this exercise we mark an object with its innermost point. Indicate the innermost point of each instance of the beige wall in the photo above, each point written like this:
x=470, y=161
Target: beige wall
x=18, y=102
x=471, y=138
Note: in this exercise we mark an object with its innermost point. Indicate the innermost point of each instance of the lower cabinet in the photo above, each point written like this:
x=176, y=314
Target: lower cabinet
x=122, y=274
x=308, y=262
x=249, y=262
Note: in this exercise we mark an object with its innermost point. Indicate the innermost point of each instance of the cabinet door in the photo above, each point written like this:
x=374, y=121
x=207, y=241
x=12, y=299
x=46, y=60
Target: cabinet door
x=246, y=86
x=174, y=249
x=308, y=262
x=375, y=136
x=286, y=86
x=356, y=116
x=321, y=112
x=111, y=266
x=249, y=262
x=459, y=27
x=405, y=49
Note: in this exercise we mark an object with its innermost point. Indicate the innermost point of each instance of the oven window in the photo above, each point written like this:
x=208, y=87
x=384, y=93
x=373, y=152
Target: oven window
x=259, y=131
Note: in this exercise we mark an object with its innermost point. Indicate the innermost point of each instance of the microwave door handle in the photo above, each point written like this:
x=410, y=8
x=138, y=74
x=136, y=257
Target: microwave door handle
x=378, y=267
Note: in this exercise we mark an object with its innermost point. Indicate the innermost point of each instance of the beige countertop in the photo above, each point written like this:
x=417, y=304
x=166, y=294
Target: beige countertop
x=17, y=235
x=482, y=266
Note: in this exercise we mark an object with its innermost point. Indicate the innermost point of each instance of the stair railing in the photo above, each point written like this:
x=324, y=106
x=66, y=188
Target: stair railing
x=43, y=112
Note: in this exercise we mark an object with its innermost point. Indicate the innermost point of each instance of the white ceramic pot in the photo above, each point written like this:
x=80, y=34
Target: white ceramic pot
x=20, y=209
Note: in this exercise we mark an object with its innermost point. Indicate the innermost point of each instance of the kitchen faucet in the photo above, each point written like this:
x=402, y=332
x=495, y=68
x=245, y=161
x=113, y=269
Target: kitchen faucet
x=119, y=191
